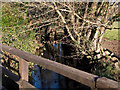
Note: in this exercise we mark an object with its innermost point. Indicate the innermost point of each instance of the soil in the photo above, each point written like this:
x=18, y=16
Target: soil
x=112, y=45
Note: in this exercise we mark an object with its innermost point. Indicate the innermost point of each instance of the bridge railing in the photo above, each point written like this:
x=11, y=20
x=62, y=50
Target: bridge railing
x=83, y=77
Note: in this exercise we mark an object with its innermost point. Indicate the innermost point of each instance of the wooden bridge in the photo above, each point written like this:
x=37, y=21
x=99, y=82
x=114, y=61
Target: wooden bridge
x=85, y=78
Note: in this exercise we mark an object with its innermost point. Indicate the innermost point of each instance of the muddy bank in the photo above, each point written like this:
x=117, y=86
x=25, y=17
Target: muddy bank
x=112, y=45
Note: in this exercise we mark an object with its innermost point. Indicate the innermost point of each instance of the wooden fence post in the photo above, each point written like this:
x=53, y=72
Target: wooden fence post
x=70, y=72
x=23, y=70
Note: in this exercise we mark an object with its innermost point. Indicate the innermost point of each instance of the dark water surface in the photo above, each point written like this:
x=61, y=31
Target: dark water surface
x=43, y=78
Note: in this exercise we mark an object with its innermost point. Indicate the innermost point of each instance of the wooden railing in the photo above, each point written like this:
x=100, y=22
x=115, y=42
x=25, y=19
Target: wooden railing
x=85, y=78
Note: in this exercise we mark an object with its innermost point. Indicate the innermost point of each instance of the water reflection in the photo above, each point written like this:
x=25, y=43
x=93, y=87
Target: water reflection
x=43, y=78
x=46, y=79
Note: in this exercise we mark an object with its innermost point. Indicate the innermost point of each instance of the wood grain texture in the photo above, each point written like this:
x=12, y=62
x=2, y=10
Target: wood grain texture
x=23, y=69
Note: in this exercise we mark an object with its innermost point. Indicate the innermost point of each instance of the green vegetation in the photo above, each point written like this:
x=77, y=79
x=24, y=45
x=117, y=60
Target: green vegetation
x=113, y=34
x=12, y=15
x=108, y=69
x=15, y=32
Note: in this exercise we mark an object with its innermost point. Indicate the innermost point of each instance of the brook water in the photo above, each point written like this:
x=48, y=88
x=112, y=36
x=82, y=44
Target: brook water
x=43, y=78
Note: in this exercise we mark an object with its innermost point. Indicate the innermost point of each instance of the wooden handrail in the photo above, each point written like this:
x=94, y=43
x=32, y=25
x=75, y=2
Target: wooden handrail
x=20, y=82
x=80, y=76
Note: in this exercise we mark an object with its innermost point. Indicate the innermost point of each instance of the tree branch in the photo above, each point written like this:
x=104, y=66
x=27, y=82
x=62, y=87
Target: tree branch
x=64, y=22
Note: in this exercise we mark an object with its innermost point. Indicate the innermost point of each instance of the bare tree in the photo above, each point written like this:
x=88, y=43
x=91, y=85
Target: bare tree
x=82, y=24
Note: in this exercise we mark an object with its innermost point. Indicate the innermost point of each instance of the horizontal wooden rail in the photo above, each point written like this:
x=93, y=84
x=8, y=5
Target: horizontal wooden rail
x=14, y=77
x=80, y=76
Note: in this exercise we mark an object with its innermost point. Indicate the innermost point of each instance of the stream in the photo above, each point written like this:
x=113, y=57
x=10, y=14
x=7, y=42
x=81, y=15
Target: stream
x=44, y=78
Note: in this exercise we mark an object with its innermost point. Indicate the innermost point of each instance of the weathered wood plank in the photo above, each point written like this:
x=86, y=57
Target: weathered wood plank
x=75, y=74
x=24, y=84
x=23, y=69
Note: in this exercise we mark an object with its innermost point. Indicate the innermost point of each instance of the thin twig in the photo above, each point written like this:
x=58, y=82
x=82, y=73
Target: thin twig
x=64, y=22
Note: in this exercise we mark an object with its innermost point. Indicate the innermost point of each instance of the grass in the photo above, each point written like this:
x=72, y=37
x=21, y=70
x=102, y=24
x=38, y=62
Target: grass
x=12, y=15
x=14, y=28
x=114, y=33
